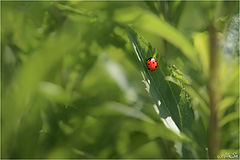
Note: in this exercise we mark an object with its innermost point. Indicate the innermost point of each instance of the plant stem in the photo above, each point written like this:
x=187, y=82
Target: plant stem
x=213, y=85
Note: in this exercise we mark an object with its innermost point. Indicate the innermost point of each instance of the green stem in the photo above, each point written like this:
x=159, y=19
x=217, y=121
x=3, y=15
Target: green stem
x=214, y=96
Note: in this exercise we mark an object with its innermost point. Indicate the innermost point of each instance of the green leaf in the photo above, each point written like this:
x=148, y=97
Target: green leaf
x=225, y=104
x=130, y=111
x=75, y=11
x=171, y=100
x=229, y=118
x=201, y=41
x=54, y=92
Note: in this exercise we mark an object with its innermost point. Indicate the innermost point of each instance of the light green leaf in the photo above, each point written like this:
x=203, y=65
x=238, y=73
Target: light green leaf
x=225, y=104
x=73, y=10
x=201, y=41
x=54, y=92
x=229, y=118
x=130, y=111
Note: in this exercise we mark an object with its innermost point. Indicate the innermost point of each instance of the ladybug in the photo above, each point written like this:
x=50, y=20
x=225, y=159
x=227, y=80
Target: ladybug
x=151, y=64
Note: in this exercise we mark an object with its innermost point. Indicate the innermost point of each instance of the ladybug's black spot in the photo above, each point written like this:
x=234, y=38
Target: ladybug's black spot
x=155, y=66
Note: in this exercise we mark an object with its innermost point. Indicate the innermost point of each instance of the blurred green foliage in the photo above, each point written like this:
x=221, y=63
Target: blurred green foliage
x=72, y=88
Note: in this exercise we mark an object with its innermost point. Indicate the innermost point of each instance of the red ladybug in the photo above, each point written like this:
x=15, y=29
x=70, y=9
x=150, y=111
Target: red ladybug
x=151, y=64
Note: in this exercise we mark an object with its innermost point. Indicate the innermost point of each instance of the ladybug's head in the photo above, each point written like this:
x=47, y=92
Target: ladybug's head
x=150, y=58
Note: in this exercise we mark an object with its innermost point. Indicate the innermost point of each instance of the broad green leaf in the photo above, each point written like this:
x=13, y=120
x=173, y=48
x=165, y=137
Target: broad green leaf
x=170, y=99
x=173, y=103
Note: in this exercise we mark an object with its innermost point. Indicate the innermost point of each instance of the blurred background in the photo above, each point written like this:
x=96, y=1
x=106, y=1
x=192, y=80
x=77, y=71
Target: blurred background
x=71, y=85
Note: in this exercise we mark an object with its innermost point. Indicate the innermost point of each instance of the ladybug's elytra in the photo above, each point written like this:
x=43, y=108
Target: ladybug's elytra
x=151, y=64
